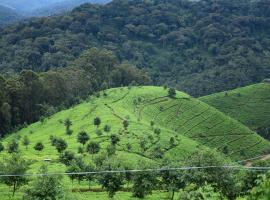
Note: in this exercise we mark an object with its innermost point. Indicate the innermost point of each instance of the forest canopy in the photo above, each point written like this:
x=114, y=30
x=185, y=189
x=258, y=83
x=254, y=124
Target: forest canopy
x=200, y=47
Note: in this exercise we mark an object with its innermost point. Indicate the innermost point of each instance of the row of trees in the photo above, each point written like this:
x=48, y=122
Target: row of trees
x=209, y=183
x=26, y=97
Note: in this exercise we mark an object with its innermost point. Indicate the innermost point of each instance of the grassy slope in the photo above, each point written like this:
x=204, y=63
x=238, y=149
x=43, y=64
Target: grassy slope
x=249, y=105
x=193, y=123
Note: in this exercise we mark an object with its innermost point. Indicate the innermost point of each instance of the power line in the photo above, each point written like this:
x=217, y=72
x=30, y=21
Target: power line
x=232, y=167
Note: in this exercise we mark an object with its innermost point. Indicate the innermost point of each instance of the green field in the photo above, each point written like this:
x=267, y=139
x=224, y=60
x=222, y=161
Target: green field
x=193, y=124
x=249, y=105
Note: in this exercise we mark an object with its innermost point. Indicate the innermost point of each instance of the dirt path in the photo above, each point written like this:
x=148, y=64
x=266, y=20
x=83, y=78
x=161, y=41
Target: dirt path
x=266, y=157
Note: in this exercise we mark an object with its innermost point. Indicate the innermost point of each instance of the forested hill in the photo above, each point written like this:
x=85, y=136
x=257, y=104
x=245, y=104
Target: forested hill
x=199, y=47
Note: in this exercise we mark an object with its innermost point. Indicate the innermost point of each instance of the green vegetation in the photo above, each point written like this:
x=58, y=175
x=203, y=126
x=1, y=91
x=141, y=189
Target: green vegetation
x=249, y=105
x=160, y=130
x=201, y=47
x=29, y=96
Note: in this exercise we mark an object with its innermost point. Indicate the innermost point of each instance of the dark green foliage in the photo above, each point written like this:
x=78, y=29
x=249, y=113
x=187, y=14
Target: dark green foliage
x=202, y=46
x=111, y=149
x=157, y=131
x=60, y=144
x=80, y=150
x=128, y=147
x=75, y=166
x=172, y=141
x=83, y=137
x=93, y=148
x=46, y=187
x=114, y=139
x=67, y=157
x=39, y=146
x=143, y=144
x=171, y=92
x=97, y=121
x=13, y=147
x=26, y=141
x=2, y=148
x=68, y=124
x=112, y=182
x=143, y=184
x=223, y=178
x=107, y=128
x=125, y=124
x=16, y=165
x=171, y=181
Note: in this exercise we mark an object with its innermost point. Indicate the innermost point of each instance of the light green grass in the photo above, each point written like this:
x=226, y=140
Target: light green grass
x=194, y=125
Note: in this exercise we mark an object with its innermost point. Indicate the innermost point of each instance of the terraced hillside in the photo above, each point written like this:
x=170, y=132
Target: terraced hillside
x=249, y=105
x=153, y=119
x=191, y=122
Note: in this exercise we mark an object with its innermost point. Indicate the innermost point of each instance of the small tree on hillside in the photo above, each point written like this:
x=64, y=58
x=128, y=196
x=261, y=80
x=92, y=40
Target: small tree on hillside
x=39, y=146
x=157, y=131
x=60, y=145
x=14, y=165
x=68, y=124
x=93, y=148
x=171, y=93
x=13, y=147
x=172, y=142
x=97, y=121
x=111, y=149
x=26, y=141
x=83, y=137
x=143, y=144
x=67, y=157
x=125, y=124
x=107, y=128
x=114, y=139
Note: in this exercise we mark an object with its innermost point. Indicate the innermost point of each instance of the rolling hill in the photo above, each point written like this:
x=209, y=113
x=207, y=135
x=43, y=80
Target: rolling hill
x=192, y=124
x=249, y=105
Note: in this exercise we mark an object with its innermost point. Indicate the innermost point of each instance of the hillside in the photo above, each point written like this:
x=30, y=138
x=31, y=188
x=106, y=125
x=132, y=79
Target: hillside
x=193, y=123
x=249, y=105
x=7, y=16
x=200, y=47
x=153, y=119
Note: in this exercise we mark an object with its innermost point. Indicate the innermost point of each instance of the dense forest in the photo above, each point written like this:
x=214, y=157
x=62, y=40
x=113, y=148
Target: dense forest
x=200, y=47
